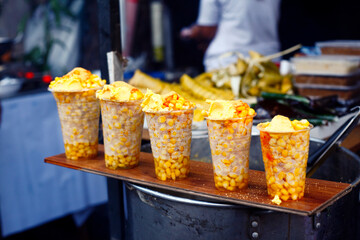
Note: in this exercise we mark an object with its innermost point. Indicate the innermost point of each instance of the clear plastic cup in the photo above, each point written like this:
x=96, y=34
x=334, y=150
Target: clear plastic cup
x=285, y=158
x=230, y=147
x=122, y=129
x=79, y=117
x=170, y=137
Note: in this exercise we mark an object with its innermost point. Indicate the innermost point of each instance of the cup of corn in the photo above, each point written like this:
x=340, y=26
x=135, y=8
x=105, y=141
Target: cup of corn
x=285, y=148
x=79, y=111
x=123, y=120
x=229, y=128
x=169, y=120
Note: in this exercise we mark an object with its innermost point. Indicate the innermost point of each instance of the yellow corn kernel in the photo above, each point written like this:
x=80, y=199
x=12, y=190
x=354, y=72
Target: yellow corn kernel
x=281, y=175
x=272, y=141
x=283, y=191
x=289, y=177
x=161, y=119
x=226, y=162
x=163, y=176
x=226, y=178
x=166, y=136
x=292, y=190
x=271, y=180
x=281, y=142
x=285, y=197
x=183, y=170
x=232, y=175
x=284, y=153
x=224, y=154
x=170, y=122
x=288, y=166
x=274, y=187
x=294, y=196
x=239, y=178
x=115, y=117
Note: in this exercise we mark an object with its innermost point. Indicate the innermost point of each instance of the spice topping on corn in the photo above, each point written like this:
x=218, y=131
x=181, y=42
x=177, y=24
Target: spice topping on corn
x=119, y=91
x=283, y=124
x=78, y=79
x=223, y=109
x=171, y=101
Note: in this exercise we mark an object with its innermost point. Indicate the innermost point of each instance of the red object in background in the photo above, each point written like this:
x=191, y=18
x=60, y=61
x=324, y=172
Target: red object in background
x=46, y=78
x=29, y=75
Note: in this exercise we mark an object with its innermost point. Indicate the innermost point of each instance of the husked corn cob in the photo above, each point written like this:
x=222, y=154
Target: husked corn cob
x=230, y=146
x=170, y=135
x=122, y=129
x=144, y=81
x=285, y=157
x=79, y=117
x=203, y=92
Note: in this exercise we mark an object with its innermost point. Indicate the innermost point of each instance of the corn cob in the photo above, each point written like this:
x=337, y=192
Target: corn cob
x=202, y=92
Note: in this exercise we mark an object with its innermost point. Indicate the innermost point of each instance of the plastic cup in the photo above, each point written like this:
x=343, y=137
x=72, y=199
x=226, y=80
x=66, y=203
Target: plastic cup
x=230, y=147
x=122, y=129
x=285, y=158
x=79, y=117
x=170, y=138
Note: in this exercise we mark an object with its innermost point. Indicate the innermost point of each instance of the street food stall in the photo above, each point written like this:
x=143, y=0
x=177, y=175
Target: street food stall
x=246, y=151
x=182, y=197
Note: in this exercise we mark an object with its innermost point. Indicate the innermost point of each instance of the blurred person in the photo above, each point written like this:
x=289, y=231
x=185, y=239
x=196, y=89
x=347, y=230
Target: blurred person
x=235, y=26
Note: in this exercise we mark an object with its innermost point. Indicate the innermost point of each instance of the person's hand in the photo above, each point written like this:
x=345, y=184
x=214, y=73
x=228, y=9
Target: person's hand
x=198, y=32
x=202, y=34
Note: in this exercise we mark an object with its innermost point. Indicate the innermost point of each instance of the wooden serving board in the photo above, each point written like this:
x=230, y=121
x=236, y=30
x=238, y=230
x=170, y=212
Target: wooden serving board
x=319, y=194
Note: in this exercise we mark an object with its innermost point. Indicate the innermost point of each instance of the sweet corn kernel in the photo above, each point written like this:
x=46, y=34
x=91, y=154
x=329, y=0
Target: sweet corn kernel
x=161, y=119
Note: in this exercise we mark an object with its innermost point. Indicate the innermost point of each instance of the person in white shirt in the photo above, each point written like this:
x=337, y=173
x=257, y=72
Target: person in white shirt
x=236, y=26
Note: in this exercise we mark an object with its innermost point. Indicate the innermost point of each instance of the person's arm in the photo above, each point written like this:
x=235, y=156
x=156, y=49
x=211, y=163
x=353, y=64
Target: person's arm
x=206, y=25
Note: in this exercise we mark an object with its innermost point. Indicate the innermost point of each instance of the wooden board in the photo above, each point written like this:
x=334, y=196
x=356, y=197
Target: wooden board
x=319, y=194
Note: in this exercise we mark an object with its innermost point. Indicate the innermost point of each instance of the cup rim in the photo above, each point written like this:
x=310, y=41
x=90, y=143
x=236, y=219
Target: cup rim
x=74, y=91
x=169, y=111
x=121, y=101
x=229, y=119
x=261, y=129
